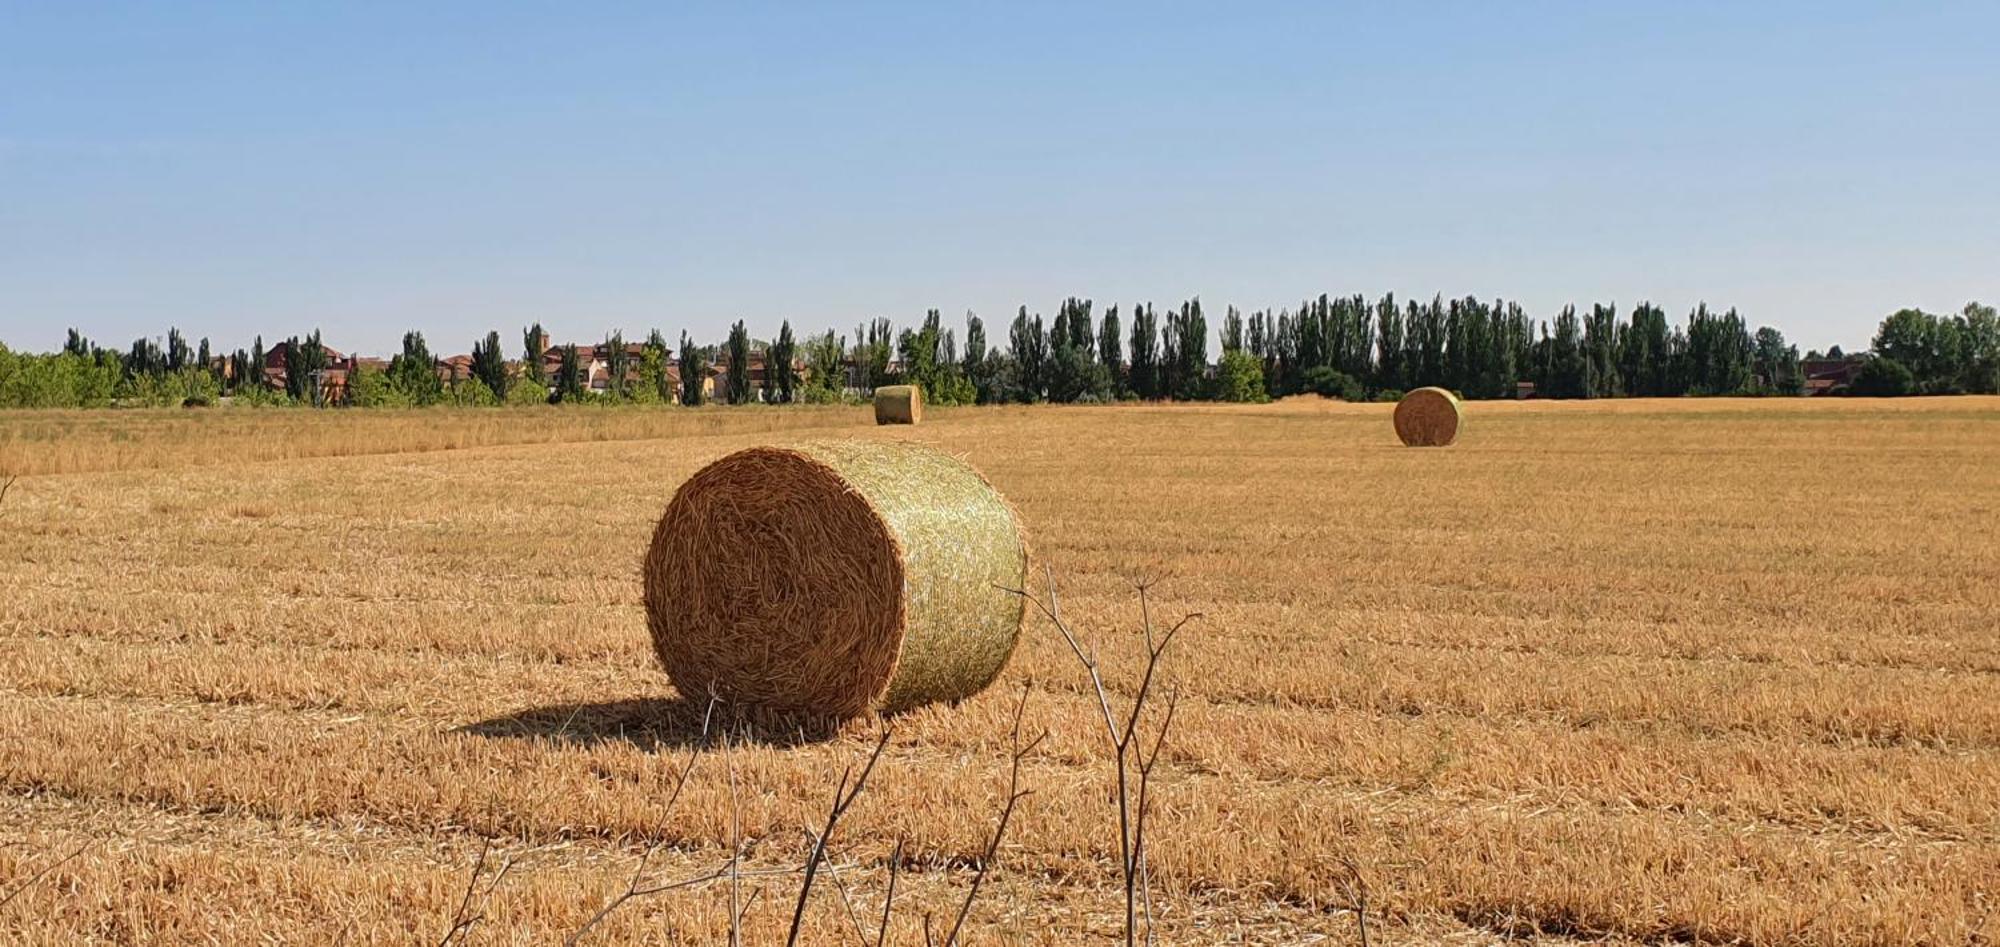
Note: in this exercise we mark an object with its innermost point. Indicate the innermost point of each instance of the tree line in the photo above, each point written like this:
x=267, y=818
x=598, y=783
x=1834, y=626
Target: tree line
x=1348, y=347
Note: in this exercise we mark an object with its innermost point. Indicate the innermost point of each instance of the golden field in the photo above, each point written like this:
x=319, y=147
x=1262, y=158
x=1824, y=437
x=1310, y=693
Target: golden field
x=1626, y=672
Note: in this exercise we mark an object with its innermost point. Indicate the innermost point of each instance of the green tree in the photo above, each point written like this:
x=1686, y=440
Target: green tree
x=1883, y=377
x=739, y=364
x=1240, y=377
x=177, y=351
x=256, y=377
x=694, y=371
x=1389, y=345
x=1600, y=342
x=1108, y=353
x=654, y=378
x=303, y=361
x=1567, y=373
x=1330, y=382
x=414, y=372
x=779, y=369
x=1980, y=338
x=533, y=350
x=571, y=386
x=1184, y=352
x=489, y=366
x=1776, y=364
x=369, y=387
x=826, y=368
x=1144, y=372
x=1028, y=347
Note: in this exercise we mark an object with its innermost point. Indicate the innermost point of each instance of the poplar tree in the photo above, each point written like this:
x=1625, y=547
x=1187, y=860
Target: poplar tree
x=739, y=364
x=489, y=366
x=694, y=370
x=532, y=340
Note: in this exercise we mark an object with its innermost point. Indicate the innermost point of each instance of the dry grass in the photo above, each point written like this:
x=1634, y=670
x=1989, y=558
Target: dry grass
x=1703, y=671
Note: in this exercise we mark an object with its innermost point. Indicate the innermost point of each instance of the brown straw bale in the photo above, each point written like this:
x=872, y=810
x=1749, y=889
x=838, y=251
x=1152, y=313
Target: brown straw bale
x=1429, y=417
x=899, y=404
x=835, y=578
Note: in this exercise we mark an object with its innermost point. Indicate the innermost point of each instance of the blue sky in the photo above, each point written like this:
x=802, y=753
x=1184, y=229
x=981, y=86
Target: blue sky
x=367, y=168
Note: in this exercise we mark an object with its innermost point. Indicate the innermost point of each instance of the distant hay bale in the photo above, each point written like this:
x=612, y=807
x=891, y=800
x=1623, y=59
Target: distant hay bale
x=899, y=404
x=1428, y=417
x=835, y=578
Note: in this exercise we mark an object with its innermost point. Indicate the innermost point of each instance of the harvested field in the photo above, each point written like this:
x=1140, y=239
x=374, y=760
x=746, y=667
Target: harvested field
x=1711, y=671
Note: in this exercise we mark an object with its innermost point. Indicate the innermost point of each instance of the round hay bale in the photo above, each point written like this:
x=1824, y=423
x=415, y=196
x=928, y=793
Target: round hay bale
x=1428, y=417
x=835, y=578
x=899, y=404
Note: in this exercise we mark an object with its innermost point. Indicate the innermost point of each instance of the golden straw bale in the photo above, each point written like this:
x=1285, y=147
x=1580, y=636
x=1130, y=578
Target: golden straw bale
x=899, y=404
x=835, y=578
x=1429, y=417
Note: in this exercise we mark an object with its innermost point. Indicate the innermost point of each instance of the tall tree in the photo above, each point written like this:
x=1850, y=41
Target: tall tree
x=618, y=363
x=694, y=372
x=534, y=348
x=778, y=364
x=739, y=364
x=489, y=366
x=1568, y=370
x=1980, y=342
x=1144, y=373
x=414, y=372
x=1108, y=345
x=1184, y=352
x=570, y=384
x=653, y=373
x=304, y=360
x=257, y=359
x=1389, y=345
x=1028, y=345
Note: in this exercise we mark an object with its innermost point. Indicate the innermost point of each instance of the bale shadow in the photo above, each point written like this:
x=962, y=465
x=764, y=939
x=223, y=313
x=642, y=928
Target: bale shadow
x=656, y=724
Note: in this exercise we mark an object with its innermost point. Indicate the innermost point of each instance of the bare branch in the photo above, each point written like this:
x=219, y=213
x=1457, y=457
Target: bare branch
x=1052, y=610
x=635, y=888
x=1131, y=827
x=1355, y=888
x=736, y=907
x=52, y=866
x=467, y=915
x=889, y=901
x=1144, y=875
x=6, y=486
x=842, y=798
x=1014, y=796
x=840, y=888
x=458, y=918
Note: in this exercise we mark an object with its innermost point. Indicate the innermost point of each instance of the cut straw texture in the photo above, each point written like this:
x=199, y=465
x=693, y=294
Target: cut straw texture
x=835, y=578
x=1428, y=417
x=899, y=404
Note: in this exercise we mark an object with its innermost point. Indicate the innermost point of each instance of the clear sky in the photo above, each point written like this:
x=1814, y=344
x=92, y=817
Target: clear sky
x=367, y=168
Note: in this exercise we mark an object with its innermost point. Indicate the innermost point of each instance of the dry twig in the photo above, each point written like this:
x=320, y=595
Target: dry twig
x=636, y=888
x=1354, y=888
x=889, y=900
x=1124, y=741
x=468, y=914
x=1014, y=795
x=843, y=797
x=51, y=867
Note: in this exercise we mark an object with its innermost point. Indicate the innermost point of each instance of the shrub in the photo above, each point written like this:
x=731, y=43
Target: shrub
x=527, y=391
x=1331, y=383
x=1883, y=378
x=1240, y=378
